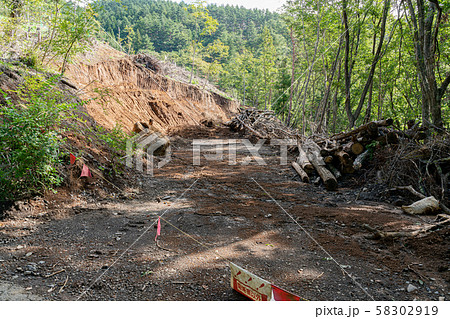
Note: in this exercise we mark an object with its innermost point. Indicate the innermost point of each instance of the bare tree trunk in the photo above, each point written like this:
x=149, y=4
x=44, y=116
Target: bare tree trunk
x=425, y=27
x=193, y=63
x=335, y=104
x=387, y=4
x=324, y=102
x=52, y=36
x=244, y=92
x=369, y=105
x=66, y=56
x=288, y=121
x=310, y=72
x=347, y=74
x=265, y=83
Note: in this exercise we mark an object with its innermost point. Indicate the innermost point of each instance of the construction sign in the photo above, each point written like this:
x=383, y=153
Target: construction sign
x=257, y=288
x=249, y=284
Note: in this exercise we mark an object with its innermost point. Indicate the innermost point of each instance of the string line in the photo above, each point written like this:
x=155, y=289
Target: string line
x=315, y=241
x=132, y=244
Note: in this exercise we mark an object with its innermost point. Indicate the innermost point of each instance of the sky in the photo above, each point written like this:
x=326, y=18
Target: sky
x=272, y=5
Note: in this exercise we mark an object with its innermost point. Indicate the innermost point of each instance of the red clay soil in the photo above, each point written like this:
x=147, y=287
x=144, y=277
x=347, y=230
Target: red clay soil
x=119, y=91
x=96, y=244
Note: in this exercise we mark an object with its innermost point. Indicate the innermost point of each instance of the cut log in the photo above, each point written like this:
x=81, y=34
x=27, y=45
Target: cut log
x=303, y=160
x=418, y=133
x=328, y=159
x=334, y=171
x=371, y=126
x=354, y=147
x=327, y=177
x=316, y=160
x=346, y=162
x=330, y=151
x=357, y=164
x=357, y=148
x=301, y=172
x=372, y=130
x=423, y=206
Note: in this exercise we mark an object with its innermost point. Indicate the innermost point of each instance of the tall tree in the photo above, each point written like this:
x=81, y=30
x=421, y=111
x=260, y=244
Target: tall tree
x=376, y=58
x=268, y=57
x=425, y=22
x=204, y=25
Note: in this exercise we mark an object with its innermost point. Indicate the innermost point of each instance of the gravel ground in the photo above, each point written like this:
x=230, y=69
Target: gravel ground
x=91, y=245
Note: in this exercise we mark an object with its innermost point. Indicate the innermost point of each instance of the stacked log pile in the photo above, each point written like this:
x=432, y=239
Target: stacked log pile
x=346, y=152
x=261, y=123
x=329, y=157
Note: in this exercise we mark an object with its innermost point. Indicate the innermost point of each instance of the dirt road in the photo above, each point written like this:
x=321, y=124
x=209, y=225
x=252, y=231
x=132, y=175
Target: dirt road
x=92, y=246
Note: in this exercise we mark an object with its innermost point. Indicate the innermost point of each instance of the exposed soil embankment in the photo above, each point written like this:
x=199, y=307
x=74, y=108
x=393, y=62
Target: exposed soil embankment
x=122, y=92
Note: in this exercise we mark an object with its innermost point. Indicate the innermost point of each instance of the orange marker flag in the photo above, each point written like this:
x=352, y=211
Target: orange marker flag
x=72, y=159
x=158, y=228
x=85, y=171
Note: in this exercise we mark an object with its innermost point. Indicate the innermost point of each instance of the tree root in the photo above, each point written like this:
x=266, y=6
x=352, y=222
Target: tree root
x=378, y=234
x=166, y=249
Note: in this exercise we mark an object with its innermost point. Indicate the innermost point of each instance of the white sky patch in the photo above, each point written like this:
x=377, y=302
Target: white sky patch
x=272, y=5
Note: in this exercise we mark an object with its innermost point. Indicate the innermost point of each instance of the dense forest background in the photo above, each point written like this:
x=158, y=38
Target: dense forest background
x=241, y=54
x=320, y=66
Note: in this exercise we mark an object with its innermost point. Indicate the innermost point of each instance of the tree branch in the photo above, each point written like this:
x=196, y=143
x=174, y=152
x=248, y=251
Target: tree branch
x=444, y=86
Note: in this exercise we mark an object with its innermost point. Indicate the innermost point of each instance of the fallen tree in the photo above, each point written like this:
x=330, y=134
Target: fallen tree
x=379, y=234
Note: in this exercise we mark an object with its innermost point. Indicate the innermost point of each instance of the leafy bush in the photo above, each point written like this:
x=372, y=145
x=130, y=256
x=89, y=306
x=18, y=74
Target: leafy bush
x=31, y=60
x=29, y=140
x=115, y=141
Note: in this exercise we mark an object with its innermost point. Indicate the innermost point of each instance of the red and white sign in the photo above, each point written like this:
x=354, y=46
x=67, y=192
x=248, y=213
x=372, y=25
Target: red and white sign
x=279, y=294
x=249, y=284
x=257, y=288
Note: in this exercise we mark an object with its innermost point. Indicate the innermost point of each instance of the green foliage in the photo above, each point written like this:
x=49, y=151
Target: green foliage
x=29, y=139
x=31, y=60
x=43, y=31
x=115, y=141
x=130, y=39
x=372, y=147
x=218, y=35
x=395, y=91
x=261, y=58
x=204, y=25
x=71, y=30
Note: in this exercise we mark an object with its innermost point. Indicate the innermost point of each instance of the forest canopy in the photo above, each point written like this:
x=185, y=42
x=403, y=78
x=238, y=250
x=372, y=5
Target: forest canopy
x=320, y=66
